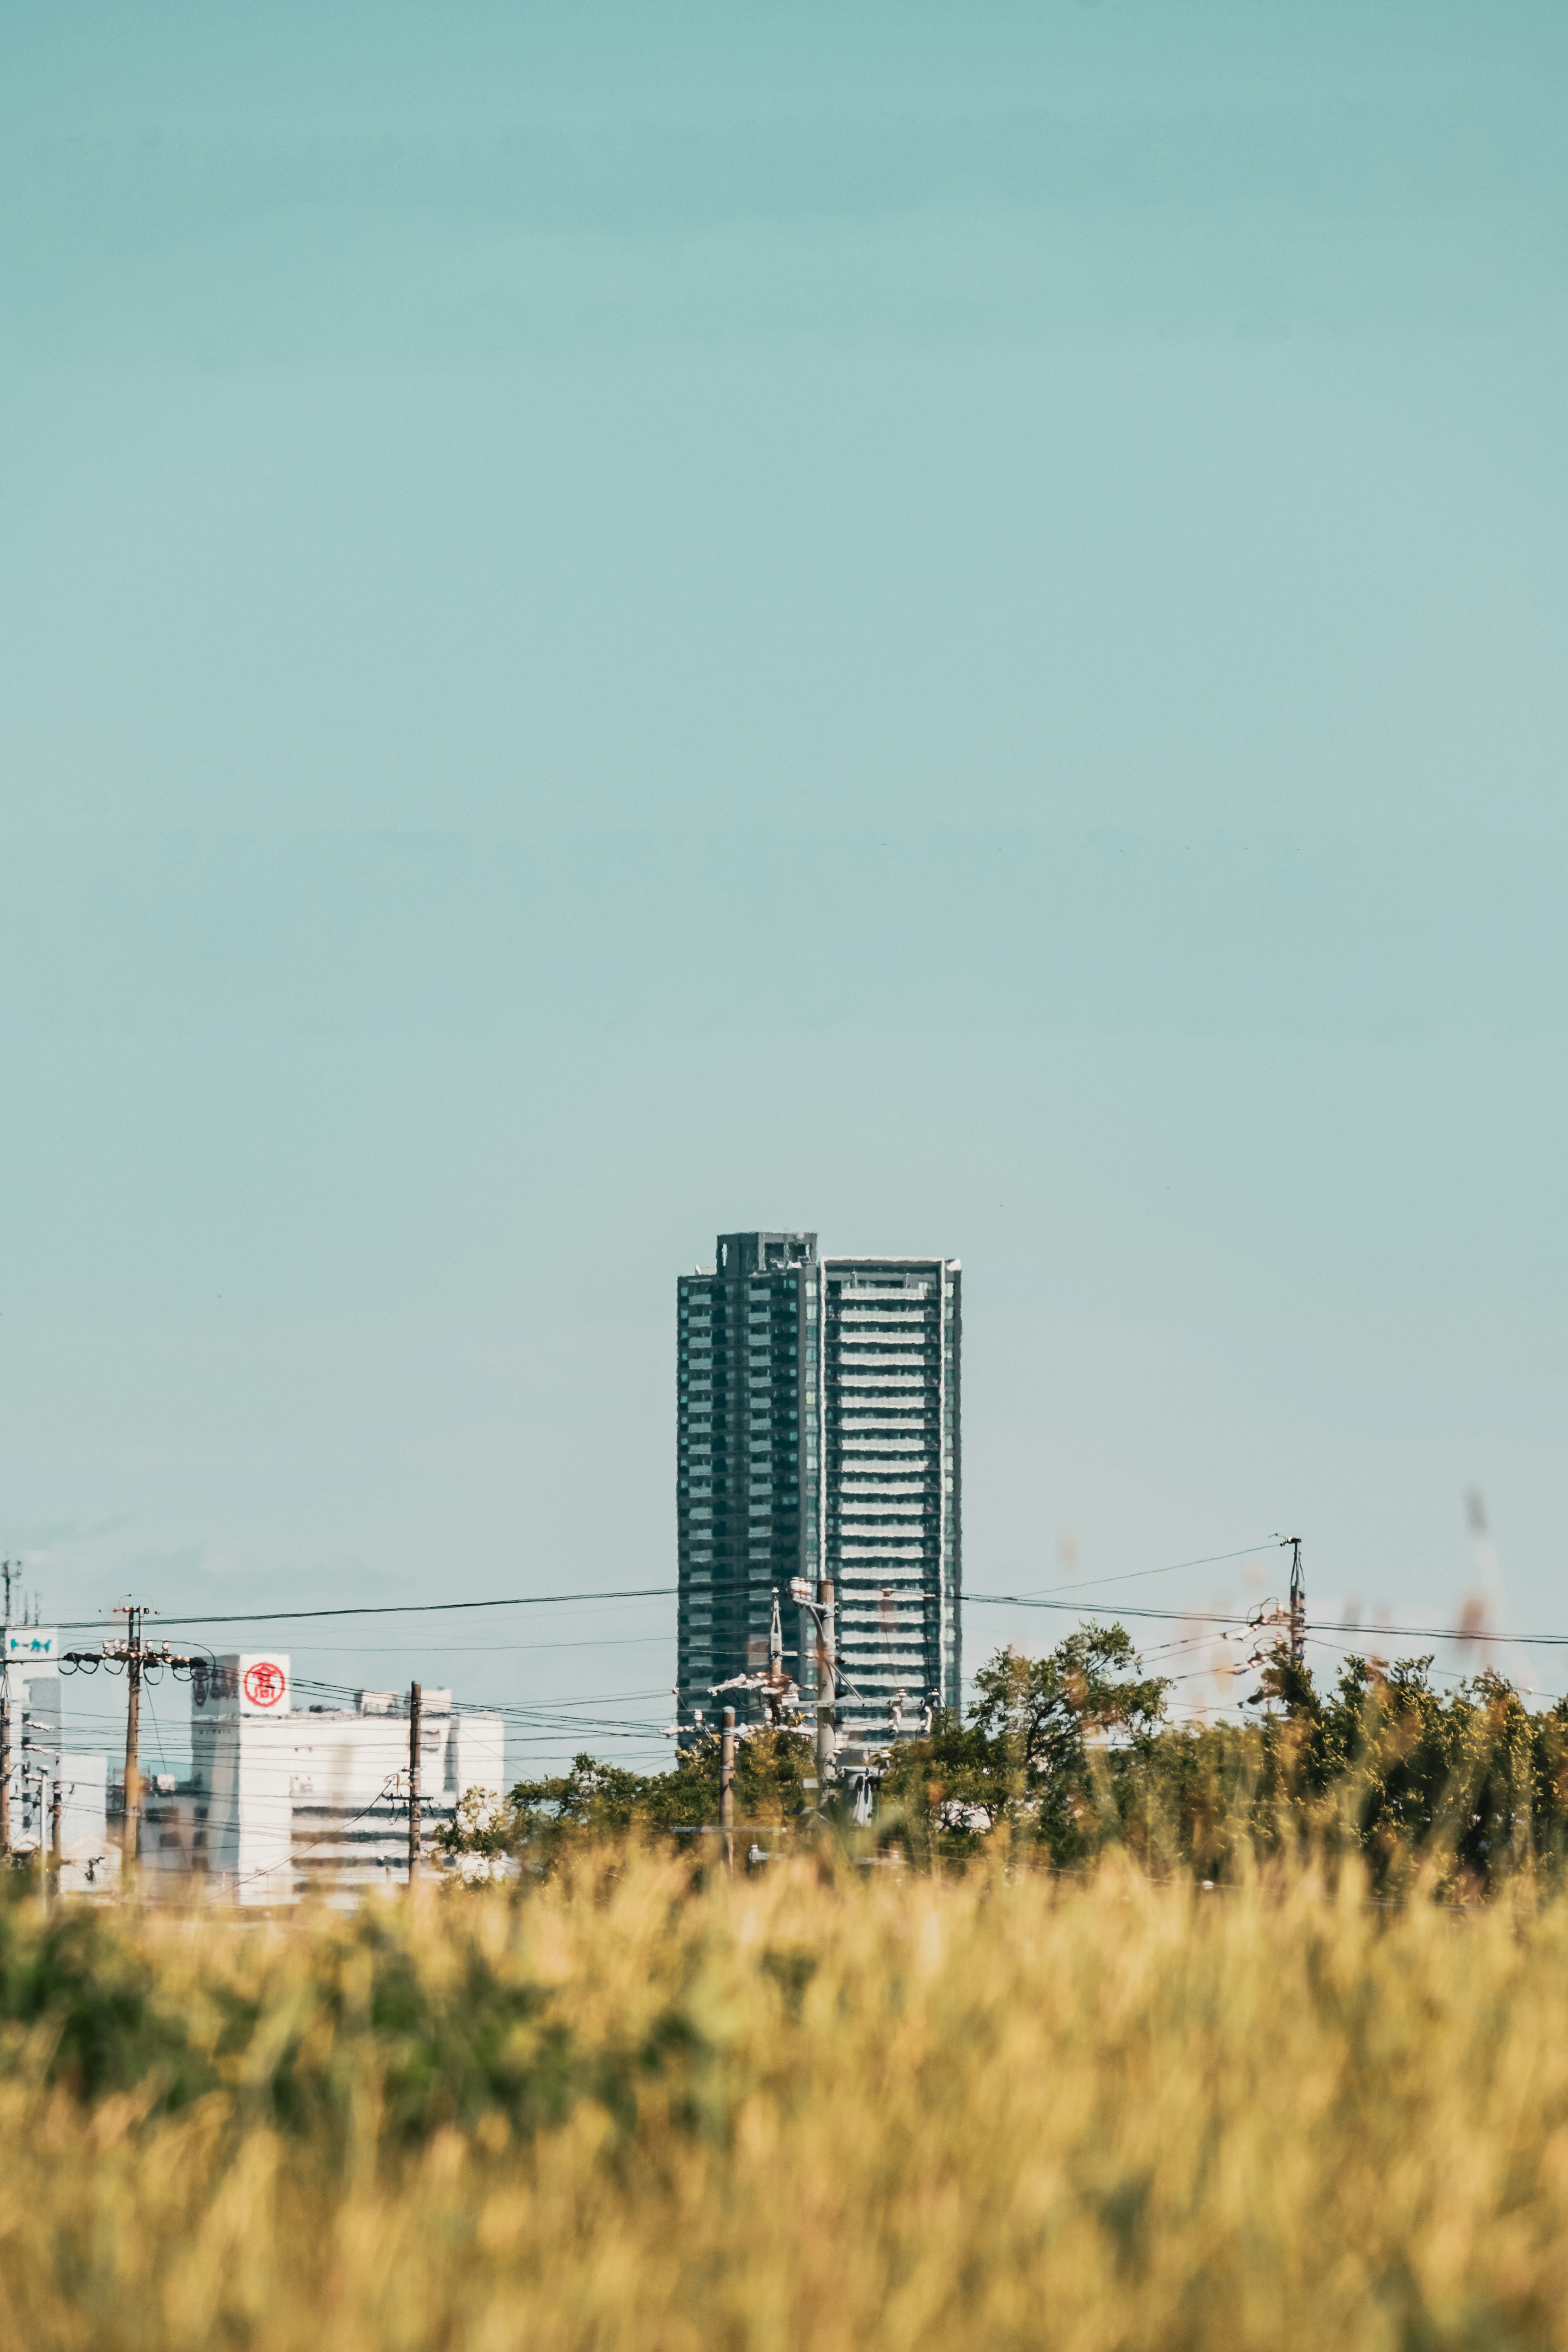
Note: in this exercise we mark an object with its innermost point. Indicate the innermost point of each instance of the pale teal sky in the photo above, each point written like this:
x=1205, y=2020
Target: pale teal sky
x=945, y=623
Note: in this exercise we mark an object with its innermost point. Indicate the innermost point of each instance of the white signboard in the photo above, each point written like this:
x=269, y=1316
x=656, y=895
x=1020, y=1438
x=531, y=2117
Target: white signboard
x=246, y=1682
x=263, y=1683
x=31, y=1646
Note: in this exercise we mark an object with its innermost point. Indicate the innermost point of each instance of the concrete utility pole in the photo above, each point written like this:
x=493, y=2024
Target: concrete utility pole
x=804, y=1638
x=133, y=1622
x=827, y=1646
x=1297, y=1604
x=48, y=1862
x=727, y=1786
x=135, y=1655
x=415, y=1696
x=7, y=1568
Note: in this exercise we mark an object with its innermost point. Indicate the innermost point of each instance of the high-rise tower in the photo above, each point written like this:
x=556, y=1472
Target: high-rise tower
x=747, y=1498
x=819, y=1436
x=892, y=1485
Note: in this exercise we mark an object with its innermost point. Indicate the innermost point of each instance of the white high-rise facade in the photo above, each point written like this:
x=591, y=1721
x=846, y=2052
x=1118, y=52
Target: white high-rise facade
x=890, y=1531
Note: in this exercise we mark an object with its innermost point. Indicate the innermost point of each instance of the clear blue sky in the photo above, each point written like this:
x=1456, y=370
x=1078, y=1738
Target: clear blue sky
x=944, y=624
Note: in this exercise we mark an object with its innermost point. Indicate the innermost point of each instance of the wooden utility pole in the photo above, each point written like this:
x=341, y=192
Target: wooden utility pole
x=415, y=1697
x=726, y=1787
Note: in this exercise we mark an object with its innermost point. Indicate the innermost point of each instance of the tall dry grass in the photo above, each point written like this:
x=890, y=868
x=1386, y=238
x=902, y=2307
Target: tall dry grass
x=796, y=2112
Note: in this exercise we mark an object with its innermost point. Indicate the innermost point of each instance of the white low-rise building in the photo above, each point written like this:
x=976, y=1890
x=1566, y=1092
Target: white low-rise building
x=283, y=1800
x=90, y=1858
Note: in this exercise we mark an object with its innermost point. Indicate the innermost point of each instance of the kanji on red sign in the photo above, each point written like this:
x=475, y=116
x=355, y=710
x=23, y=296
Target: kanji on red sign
x=264, y=1683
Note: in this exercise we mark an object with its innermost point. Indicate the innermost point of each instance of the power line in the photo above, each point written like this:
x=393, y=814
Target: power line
x=1321, y=1624
x=558, y=1707
x=582, y=1699
x=428, y=1607
x=554, y=1599
x=982, y=1600
x=398, y=1608
x=482, y=1650
x=1164, y=1616
x=547, y=1719
x=1131, y=1575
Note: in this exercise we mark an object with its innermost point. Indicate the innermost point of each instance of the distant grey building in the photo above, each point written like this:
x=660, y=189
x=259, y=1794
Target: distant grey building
x=819, y=1436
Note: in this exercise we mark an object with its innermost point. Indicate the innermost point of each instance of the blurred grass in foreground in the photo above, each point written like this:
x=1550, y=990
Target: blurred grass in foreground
x=802, y=2110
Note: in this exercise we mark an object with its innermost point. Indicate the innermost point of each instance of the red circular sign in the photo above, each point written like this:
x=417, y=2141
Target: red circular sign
x=264, y=1683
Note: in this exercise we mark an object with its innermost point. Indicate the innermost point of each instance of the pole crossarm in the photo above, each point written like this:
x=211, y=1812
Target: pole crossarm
x=122, y=1654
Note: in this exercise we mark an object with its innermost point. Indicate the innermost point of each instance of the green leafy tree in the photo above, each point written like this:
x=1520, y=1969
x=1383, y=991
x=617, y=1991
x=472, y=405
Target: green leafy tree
x=1038, y=1755
x=771, y=1768
x=593, y=1800
x=1062, y=1755
x=1468, y=1784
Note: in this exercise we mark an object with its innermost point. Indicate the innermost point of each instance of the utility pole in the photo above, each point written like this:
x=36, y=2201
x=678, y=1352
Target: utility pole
x=8, y=1569
x=56, y=1841
x=826, y=1648
x=1297, y=1619
x=46, y=1860
x=726, y=1787
x=415, y=1696
x=780, y=1695
x=800, y=1590
x=135, y=1653
x=134, y=1619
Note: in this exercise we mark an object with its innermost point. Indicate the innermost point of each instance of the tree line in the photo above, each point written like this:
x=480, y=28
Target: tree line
x=1060, y=1758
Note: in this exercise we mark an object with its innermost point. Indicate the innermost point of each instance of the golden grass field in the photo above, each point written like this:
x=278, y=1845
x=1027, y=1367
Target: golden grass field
x=800, y=2112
